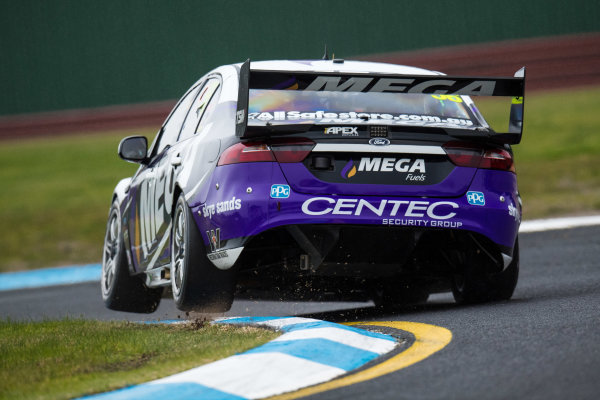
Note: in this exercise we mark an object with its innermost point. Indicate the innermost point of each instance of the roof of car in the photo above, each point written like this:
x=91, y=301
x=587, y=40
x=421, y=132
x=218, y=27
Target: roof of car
x=339, y=66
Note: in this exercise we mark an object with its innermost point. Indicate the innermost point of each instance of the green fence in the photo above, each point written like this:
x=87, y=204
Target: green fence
x=73, y=54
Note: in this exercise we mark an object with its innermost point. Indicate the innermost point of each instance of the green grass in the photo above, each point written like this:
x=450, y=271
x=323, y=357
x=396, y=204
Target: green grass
x=69, y=358
x=55, y=198
x=558, y=160
x=56, y=192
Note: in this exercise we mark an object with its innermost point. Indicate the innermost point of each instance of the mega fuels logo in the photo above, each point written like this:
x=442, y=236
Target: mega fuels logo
x=349, y=170
x=378, y=164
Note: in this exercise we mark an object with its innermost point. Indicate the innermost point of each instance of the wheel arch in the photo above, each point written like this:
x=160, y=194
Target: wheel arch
x=121, y=190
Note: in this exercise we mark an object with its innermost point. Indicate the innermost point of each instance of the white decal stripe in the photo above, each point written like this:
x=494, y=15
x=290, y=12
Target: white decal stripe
x=238, y=374
x=343, y=336
x=161, y=245
x=368, y=148
x=539, y=225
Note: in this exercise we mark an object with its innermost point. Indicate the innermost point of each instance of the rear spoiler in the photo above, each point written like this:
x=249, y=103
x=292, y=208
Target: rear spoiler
x=372, y=82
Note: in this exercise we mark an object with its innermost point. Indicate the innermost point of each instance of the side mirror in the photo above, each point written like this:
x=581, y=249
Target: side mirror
x=134, y=149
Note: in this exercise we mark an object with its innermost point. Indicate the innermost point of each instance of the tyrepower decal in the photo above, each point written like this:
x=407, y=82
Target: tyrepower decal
x=439, y=210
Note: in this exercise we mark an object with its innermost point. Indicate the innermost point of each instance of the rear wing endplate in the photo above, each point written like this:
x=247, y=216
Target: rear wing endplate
x=392, y=83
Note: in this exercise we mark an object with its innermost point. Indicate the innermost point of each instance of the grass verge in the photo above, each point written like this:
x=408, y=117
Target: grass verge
x=55, y=197
x=56, y=192
x=70, y=358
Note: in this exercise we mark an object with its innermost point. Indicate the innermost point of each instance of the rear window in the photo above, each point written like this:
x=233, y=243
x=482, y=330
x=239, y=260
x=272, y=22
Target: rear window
x=296, y=106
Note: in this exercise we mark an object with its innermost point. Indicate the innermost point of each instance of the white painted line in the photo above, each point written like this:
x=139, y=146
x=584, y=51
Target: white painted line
x=254, y=376
x=539, y=225
x=367, y=148
x=342, y=336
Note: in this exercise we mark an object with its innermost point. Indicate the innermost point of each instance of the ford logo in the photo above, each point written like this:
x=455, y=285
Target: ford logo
x=379, y=142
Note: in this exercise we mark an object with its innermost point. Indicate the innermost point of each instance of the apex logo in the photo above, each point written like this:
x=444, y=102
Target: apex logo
x=344, y=130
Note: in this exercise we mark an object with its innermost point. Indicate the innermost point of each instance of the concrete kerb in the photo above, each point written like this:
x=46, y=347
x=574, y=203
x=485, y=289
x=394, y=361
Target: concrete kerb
x=308, y=352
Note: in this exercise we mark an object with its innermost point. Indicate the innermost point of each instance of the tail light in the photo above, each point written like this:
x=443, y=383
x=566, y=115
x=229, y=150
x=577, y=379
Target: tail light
x=282, y=150
x=246, y=152
x=475, y=156
x=292, y=150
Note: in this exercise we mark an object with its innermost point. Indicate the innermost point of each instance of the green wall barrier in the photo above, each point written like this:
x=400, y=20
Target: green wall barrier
x=59, y=54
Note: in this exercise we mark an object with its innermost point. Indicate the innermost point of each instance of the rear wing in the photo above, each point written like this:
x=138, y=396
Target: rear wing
x=391, y=83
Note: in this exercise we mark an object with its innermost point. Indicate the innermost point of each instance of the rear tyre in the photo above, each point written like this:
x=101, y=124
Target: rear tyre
x=120, y=290
x=197, y=284
x=473, y=286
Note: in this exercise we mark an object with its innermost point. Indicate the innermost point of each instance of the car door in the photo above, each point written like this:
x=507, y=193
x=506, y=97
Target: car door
x=151, y=192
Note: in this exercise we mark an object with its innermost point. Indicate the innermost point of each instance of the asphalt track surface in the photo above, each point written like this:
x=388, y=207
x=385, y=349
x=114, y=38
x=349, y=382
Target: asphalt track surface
x=544, y=343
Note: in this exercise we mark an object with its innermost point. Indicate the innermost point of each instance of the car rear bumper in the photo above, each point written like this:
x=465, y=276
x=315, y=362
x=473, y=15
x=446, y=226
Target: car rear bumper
x=245, y=200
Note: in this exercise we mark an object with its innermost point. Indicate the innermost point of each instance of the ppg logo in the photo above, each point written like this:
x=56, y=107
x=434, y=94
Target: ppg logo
x=476, y=198
x=280, y=191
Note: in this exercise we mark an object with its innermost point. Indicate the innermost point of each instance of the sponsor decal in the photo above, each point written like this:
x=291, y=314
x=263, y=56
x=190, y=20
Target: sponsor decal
x=349, y=170
x=379, y=142
x=214, y=238
x=439, y=210
x=403, y=85
x=240, y=116
x=352, y=117
x=280, y=191
x=514, y=212
x=155, y=205
x=378, y=164
x=343, y=130
x=476, y=198
x=415, y=168
x=442, y=97
x=421, y=222
x=208, y=210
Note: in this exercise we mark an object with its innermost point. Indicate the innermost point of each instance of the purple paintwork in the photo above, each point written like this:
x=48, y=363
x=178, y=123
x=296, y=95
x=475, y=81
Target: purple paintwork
x=302, y=181
x=258, y=212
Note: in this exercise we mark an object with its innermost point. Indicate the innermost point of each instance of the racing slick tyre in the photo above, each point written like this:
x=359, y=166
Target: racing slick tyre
x=120, y=290
x=474, y=286
x=197, y=284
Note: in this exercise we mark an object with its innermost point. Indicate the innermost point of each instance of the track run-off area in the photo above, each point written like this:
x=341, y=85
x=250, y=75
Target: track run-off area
x=543, y=343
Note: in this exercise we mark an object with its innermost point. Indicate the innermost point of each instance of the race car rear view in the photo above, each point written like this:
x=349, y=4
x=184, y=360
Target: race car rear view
x=319, y=179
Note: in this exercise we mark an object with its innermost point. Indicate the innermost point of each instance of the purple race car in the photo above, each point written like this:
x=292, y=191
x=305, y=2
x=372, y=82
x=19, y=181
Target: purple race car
x=319, y=179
